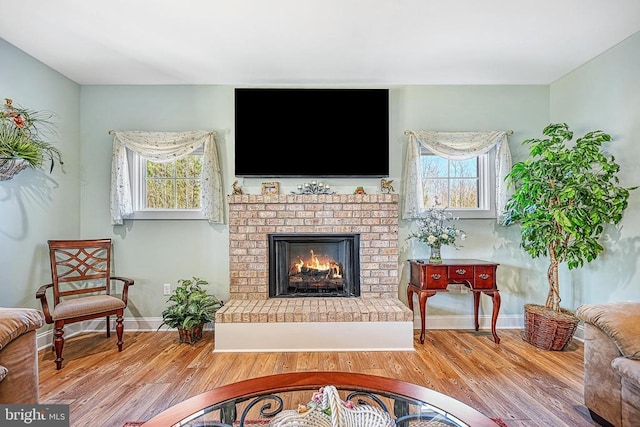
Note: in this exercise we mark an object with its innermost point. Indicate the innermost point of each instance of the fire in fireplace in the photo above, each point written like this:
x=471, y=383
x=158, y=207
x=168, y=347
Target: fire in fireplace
x=304, y=265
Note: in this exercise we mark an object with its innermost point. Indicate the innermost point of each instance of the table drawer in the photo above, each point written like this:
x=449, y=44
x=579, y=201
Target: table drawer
x=435, y=277
x=485, y=277
x=428, y=276
x=460, y=273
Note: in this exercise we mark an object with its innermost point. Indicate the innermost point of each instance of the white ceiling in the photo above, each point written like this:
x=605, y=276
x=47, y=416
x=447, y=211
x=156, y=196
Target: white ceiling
x=316, y=42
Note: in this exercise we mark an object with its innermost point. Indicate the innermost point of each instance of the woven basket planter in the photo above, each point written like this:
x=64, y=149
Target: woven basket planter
x=548, y=329
x=190, y=336
x=11, y=167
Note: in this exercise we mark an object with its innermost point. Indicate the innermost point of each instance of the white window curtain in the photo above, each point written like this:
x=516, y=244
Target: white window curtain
x=454, y=146
x=165, y=147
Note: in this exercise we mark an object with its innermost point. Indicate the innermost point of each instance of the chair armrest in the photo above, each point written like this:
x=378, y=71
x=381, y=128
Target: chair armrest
x=125, y=288
x=41, y=294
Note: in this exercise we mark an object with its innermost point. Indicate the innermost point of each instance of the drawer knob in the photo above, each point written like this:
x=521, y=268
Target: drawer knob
x=483, y=276
x=435, y=276
x=461, y=271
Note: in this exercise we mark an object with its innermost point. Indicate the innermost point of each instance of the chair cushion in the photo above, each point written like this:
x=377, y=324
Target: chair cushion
x=17, y=321
x=86, y=306
x=619, y=320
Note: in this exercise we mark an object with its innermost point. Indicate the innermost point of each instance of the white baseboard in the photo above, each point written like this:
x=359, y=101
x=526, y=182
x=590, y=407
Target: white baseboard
x=150, y=324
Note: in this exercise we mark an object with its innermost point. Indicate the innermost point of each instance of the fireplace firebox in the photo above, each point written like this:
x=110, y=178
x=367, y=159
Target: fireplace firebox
x=307, y=265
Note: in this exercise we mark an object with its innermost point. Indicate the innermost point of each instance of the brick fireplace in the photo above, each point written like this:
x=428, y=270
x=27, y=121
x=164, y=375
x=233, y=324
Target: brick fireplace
x=251, y=321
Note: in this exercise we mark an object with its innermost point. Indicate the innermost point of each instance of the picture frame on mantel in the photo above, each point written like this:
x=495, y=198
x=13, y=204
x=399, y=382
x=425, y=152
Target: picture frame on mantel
x=270, y=188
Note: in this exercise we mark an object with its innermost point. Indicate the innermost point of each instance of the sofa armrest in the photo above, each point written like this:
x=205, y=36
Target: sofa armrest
x=619, y=320
x=18, y=321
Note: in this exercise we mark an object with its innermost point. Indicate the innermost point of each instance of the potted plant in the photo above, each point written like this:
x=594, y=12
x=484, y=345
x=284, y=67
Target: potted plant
x=191, y=308
x=21, y=140
x=564, y=196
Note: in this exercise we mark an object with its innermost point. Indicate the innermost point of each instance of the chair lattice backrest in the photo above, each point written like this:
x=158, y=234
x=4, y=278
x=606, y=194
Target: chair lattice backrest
x=80, y=267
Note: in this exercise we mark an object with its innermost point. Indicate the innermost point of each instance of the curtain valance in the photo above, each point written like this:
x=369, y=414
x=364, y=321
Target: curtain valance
x=165, y=147
x=454, y=146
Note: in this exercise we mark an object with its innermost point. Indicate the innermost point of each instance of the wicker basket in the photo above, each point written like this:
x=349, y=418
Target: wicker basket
x=332, y=412
x=10, y=167
x=548, y=329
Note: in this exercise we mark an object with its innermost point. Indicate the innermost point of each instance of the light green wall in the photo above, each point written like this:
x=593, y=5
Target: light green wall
x=605, y=94
x=157, y=252
x=35, y=205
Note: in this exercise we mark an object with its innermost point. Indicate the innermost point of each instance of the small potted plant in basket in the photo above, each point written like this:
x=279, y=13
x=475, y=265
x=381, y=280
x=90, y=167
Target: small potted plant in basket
x=192, y=307
x=435, y=230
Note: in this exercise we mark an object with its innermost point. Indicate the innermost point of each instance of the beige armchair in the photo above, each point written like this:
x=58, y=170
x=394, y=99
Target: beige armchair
x=19, y=355
x=612, y=362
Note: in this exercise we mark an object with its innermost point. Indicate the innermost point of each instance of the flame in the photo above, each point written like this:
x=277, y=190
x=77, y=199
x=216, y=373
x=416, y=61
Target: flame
x=313, y=263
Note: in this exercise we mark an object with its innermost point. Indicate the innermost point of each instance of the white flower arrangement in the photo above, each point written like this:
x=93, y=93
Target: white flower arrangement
x=435, y=230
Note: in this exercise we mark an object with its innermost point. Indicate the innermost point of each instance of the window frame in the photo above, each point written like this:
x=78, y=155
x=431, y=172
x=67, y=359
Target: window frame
x=486, y=187
x=138, y=193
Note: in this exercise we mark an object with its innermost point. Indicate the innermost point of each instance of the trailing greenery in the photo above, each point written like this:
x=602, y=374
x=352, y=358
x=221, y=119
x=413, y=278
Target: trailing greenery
x=22, y=133
x=564, y=196
x=192, y=305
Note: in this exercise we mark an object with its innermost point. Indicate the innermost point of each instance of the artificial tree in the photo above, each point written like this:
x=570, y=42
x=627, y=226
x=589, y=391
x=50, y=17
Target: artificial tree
x=564, y=196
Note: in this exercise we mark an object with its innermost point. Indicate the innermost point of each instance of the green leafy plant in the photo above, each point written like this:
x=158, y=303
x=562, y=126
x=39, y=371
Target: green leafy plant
x=564, y=196
x=22, y=133
x=191, y=305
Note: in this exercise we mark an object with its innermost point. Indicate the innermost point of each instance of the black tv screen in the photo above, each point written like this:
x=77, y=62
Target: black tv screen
x=311, y=132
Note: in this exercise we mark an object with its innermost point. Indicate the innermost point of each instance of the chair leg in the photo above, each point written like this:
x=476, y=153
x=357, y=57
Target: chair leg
x=119, y=330
x=108, y=327
x=58, y=344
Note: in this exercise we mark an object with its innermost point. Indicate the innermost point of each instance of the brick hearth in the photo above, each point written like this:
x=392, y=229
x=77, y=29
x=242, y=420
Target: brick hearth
x=251, y=321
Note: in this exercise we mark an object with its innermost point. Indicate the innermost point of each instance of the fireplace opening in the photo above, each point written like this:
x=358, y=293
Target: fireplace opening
x=305, y=265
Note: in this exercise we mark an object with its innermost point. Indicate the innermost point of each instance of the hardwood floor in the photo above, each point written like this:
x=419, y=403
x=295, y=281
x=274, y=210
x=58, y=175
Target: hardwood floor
x=514, y=381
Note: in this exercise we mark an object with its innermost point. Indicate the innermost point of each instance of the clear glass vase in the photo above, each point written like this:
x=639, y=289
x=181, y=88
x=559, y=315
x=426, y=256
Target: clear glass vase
x=434, y=256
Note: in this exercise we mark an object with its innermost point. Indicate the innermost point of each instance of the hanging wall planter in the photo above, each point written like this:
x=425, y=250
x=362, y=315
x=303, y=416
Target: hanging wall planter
x=22, y=144
x=11, y=167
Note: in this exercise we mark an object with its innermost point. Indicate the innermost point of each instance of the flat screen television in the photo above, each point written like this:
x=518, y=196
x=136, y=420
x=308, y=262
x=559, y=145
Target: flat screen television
x=301, y=132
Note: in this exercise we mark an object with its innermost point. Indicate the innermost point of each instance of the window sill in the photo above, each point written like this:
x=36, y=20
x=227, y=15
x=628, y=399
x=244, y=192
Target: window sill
x=168, y=214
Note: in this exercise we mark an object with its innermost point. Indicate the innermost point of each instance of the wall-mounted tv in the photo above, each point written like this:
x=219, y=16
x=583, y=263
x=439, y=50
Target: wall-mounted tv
x=302, y=132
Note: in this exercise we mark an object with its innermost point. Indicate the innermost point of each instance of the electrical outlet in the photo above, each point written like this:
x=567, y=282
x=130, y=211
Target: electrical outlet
x=167, y=289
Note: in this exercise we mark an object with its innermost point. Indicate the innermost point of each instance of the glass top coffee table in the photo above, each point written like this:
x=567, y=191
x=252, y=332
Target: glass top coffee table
x=264, y=400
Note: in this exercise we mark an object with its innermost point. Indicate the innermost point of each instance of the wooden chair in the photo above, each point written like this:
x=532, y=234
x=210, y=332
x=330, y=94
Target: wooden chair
x=81, y=282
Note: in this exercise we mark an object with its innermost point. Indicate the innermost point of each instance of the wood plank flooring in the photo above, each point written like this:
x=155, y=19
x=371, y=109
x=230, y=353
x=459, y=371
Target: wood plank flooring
x=514, y=381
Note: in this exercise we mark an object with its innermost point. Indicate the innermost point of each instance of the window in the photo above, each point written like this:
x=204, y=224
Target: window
x=472, y=183
x=465, y=187
x=168, y=190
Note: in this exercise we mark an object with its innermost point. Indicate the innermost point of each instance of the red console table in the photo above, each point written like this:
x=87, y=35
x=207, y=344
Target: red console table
x=428, y=279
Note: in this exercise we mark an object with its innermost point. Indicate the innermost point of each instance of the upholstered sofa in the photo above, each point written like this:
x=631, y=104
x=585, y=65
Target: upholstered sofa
x=19, y=355
x=612, y=362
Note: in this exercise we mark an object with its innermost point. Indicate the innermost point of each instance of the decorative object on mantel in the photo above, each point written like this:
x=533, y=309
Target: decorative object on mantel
x=237, y=191
x=386, y=187
x=21, y=140
x=314, y=187
x=359, y=190
x=565, y=196
x=270, y=188
x=435, y=230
